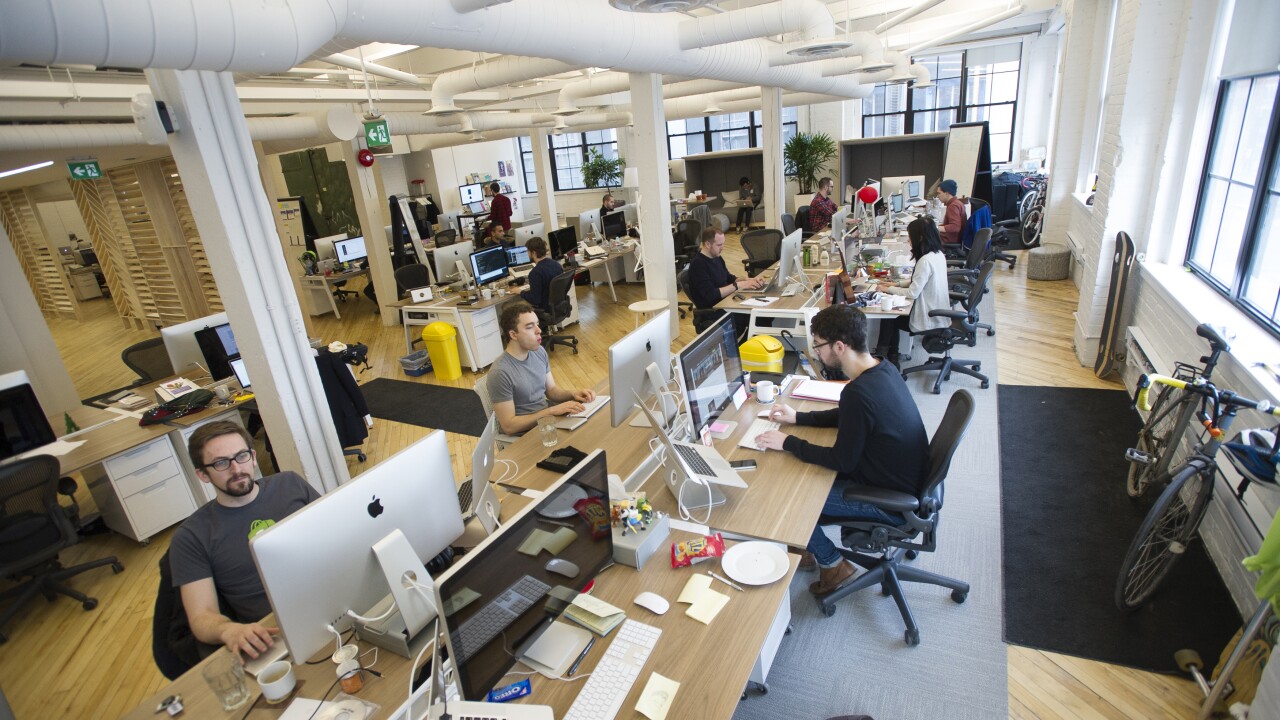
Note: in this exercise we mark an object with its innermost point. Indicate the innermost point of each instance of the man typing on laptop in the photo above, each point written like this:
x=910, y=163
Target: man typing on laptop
x=521, y=386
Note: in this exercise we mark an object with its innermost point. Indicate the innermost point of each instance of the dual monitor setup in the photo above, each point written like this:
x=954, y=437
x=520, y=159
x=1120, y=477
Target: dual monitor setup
x=341, y=249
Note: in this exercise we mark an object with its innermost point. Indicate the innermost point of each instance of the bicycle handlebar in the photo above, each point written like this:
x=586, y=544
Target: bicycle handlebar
x=1200, y=386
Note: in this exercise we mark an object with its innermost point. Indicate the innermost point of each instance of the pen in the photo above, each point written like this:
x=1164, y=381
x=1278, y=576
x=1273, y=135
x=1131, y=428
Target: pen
x=561, y=523
x=726, y=582
x=574, y=667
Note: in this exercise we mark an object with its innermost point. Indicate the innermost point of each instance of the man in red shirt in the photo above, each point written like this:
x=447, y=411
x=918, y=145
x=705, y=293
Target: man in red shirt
x=500, y=208
x=822, y=207
x=953, y=222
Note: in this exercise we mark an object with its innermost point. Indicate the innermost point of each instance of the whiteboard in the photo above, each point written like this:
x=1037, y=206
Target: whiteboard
x=289, y=211
x=963, y=145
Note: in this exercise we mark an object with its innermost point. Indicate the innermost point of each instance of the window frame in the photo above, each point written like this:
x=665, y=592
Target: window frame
x=754, y=128
x=525, y=145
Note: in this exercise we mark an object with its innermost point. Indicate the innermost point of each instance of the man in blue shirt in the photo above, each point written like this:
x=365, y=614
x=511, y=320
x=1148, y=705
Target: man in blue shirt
x=544, y=271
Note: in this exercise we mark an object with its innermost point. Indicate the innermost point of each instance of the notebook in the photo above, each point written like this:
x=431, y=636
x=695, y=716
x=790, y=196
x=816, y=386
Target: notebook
x=824, y=390
x=575, y=420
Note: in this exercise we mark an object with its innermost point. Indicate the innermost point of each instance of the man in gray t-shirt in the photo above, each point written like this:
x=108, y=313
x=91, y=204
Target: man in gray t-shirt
x=209, y=554
x=521, y=386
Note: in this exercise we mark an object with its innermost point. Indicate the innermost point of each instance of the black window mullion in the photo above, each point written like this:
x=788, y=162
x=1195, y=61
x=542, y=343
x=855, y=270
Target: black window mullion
x=1261, y=188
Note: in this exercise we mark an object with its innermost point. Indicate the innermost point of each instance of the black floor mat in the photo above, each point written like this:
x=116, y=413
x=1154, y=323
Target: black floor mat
x=434, y=406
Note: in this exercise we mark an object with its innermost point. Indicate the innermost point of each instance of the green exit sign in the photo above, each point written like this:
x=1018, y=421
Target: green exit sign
x=84, y=170
x=376, y=133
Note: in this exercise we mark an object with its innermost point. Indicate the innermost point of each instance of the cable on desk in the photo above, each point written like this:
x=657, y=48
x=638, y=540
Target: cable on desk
x=511, y=465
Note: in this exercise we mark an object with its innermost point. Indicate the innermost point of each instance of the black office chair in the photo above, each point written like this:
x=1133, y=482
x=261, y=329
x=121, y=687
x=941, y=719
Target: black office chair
x=702, y=317
x=763, y=247
x=149, y=359
x=880, y=547
x=963, y=330
x=411, y=277
x=687, y=237
x=173, y=646
x=802, y=221
x=962, y=273
x=34, y=528
x=788, y=224
x=561, y=309
x=444, y=238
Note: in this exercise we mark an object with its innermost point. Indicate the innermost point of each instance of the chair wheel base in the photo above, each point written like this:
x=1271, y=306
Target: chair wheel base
x=959, y=597
x=827, y=609
x=912, y=637
x=89, y=604
x=117, y=568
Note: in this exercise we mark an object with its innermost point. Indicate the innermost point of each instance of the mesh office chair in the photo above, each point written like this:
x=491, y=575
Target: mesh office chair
x=561, y=310
x=788, y=224
x=963, y=330
x=802, y=221
x=763, y=247
x=481, y=388
x=702, y=317
x=687, y=237
x=411, y=277
x=173, y=646
x=149, y=359
x=34, y=528
x=444, y=238
x=880, y=547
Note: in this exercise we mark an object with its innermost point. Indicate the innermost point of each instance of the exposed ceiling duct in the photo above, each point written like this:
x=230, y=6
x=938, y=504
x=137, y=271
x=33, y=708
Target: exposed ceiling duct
x=658, y=6
x=970, y=28
x=906, y=15
x=490, y=74
x=351, y=63
x=810, y=18
x=466, y=6
x=861, y=44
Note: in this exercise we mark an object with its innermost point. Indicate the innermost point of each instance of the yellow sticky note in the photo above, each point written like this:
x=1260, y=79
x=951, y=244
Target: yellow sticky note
x=693, y=588
x=707, y=606
x=535, y=542
x=559, y=540
x=656, y=699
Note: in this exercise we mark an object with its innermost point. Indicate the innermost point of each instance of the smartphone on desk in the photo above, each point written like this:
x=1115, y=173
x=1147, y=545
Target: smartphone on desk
x=742, y=464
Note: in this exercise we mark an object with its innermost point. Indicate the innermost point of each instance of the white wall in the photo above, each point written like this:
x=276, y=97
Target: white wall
x=62, y=219
x=1035, y=95
x=452, y=164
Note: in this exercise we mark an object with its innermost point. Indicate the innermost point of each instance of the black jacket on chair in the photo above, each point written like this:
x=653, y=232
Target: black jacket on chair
x=346, y=401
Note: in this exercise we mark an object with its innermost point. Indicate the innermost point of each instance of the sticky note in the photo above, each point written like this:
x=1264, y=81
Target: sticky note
x=718, y=427
x=694, y=587
x=535, y=542
x=464, y=597
x=559, y=540
x=655, y=701
x=708, y=605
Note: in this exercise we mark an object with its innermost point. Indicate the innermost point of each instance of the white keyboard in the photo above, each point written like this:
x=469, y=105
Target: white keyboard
x=602, y=696
x=759, y=425
x=479, y=629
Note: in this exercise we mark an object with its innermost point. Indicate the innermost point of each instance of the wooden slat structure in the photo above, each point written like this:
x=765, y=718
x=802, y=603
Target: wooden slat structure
x=39, y=260
x=96, y=202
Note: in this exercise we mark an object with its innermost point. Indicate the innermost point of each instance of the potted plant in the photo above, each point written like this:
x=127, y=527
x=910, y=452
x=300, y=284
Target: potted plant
x=599, y=171
x=804, y=158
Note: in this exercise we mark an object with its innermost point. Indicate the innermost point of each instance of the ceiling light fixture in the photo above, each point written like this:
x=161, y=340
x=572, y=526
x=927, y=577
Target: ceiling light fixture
x=28, y=168
x=658, y=6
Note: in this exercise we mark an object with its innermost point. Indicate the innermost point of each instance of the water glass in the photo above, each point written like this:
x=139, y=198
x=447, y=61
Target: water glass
x=547, y=430
x=225, y=676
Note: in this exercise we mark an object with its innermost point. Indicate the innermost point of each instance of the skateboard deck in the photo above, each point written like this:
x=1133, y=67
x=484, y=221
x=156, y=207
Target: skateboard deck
x=1112, y=335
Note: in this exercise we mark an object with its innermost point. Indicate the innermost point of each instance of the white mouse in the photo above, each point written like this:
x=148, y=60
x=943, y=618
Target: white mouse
x=653, y=602
x=563, y=567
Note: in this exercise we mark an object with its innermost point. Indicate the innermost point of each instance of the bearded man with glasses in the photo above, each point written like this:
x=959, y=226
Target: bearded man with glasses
x=209, y=555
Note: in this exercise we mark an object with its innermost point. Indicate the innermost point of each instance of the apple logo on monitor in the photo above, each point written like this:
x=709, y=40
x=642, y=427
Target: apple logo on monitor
x=375, y=507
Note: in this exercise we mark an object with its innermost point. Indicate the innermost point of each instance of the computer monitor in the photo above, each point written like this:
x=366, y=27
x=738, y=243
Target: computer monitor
x=483, y=635
x=710, y=373
x=525, y=233
x=562, y=242
x=180, y=342
x=588, y=223
x=320, y=562
x=23, y=425
x=789, y=257
x=446, y=258
x=895, y=202
x=614, y=225
x=838, y=222
x=476, y=208
x=242, y=375
x=324, y=246
x=473, y=193
x=88, y=258
x=518, y=256
x=909, y=185
x=218, y=347
x=351, y=250
x=914, y=187
x=629, y=360
x=489, y=265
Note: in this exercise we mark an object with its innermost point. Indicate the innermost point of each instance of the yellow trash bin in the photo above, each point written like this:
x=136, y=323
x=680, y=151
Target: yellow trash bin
x=441, y=340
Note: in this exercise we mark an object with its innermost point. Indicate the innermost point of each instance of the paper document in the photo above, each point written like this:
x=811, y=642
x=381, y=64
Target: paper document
x=655, y=701
x=764, y=301
x=824, y=390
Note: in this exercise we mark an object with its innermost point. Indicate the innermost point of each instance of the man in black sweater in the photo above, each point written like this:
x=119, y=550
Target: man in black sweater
x=880, y=438
x=544, y=271
x=709, y=279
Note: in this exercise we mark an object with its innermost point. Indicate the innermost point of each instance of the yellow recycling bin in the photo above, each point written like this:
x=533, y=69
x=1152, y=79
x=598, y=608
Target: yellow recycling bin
x=441, y=340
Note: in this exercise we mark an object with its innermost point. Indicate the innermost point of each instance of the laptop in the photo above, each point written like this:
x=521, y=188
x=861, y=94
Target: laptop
x=518, y=255
x=575, y=420
x=476, y=497
x=770, y=288
x=242, y=375
x=698, y=462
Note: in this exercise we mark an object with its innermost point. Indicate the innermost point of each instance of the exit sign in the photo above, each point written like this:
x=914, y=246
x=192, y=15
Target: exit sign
x=84, y=170
x=376, y=133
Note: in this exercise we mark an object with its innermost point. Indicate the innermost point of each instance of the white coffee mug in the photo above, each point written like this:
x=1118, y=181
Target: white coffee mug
x=222, y=392
x=764, y=391
x=886, y=302
x=487, y=293
x=277, y=681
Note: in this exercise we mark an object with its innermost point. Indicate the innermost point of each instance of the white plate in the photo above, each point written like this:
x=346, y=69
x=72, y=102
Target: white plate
x=755, y=563
x=562, y=506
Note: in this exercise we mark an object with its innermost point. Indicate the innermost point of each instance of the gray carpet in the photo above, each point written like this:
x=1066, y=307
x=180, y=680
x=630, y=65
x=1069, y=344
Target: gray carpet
x=856, y=662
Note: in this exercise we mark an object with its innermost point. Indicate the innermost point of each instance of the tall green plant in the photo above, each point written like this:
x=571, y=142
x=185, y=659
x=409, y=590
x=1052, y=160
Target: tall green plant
x=806, y=156
x=599, y=171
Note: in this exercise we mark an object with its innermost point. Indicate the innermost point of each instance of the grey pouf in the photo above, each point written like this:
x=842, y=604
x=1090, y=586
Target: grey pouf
x=1049, y=262
x=720, y=221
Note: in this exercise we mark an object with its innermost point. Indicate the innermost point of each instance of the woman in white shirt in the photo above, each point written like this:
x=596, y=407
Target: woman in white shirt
x=927, y=288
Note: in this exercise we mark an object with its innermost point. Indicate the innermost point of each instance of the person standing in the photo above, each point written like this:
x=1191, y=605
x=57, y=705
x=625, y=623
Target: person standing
x=953, y=217
x=499, y=207
x=822, y=207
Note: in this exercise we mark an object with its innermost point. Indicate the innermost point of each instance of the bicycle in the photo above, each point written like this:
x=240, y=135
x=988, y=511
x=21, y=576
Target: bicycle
x=1161, y=436
x=1031, y=209
x=1167, y=529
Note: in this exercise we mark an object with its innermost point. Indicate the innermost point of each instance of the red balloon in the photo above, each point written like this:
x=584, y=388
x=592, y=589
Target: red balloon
x=868, y=195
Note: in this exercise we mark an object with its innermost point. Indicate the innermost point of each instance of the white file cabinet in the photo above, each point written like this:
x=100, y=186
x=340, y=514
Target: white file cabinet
x=143, y=490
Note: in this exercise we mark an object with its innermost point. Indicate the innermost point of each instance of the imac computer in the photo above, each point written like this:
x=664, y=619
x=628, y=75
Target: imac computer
x=909, y=185
x=588, y=223
x=838, y=222
x=489, y=265
x=471, y=194
x=518, y=256
x=23, y=425
x=562, y=242
x=351, y=250
x=446, y=258
x=629, y=371
x=525, y=233
x=710, y=373
x=333, y=557
x=218, y=346
x=324, y=246
x=485, y=630
x=614, y=225
x=914, y=188
x=790, y=260
x=180, y=342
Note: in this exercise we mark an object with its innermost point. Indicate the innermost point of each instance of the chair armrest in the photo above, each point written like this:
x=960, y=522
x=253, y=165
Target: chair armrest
x=953, y=314
x=962, y=274
x=67, y=486
x=885, y=499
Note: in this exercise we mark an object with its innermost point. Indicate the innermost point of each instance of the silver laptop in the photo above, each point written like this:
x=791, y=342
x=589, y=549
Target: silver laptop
x=476, y=497
x=575, y=421
x=698, y=462
x=770, y=288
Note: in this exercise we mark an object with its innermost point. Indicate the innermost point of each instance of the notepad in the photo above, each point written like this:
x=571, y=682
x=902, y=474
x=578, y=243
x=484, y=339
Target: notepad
x=694, y=587
x=707, y=606
x=655, y=701
x=594, y=614
x=555, y=543
x=824, y=390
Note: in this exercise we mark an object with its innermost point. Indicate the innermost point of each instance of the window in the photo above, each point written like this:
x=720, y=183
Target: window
x=970, y=86
x=1236, y=232
x=735, y=131
x=526, y=164
x=568, y=151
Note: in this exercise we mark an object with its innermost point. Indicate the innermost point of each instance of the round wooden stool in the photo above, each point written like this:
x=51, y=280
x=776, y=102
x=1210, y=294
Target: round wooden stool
x=647, y=308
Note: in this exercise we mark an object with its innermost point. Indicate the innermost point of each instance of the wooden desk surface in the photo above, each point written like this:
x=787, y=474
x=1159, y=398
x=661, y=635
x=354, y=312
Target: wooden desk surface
x=711, y=662
x=102, y=442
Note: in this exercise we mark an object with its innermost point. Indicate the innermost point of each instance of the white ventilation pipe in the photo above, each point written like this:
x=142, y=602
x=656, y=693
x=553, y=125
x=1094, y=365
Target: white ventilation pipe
x=921, y=74
x=474, y=122
x=351, y=63
x=970, y=28
x=412, y=123
x=901, y=68
x=810, y=18
x=906, y=15
x=864, y=45
x=610, y=83
x=491, y=74
x=228, y=35
x=466, y=6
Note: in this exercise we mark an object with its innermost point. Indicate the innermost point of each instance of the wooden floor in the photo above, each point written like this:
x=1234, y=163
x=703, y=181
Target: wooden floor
x=63, y=662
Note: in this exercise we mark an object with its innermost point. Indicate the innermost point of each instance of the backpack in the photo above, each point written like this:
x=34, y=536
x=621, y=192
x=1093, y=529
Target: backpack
x=186, y=404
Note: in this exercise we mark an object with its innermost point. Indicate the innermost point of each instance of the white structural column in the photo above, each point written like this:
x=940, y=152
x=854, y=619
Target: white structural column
x=273, y=183
x=542, y=173
x=650, y=158
x=366, y=187
x=773, y=196
x=220, y=174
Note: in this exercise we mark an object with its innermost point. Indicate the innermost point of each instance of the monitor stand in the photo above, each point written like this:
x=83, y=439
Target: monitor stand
x=390, y=633
x=695, y=495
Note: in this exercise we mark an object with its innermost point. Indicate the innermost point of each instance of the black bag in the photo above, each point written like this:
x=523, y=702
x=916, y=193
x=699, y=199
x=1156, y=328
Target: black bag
x=185, y=404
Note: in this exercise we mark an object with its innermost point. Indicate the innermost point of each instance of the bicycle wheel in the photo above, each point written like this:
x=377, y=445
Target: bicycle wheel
x=1032, y=226
x=1163, y=536
x=1027, y=202
x=1154, y=439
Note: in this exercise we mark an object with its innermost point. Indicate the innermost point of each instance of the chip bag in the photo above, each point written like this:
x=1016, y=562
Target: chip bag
x=689, y=552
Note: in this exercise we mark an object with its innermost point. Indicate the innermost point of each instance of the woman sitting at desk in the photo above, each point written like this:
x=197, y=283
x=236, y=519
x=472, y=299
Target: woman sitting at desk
x=927, y=287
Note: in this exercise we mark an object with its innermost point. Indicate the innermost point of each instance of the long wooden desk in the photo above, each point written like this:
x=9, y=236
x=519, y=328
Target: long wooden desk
x=323, y=285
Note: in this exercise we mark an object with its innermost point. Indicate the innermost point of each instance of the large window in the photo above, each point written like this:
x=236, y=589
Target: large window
x=735, y=131
x=970, y=86
x=1236, y=233
x=568, y=152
